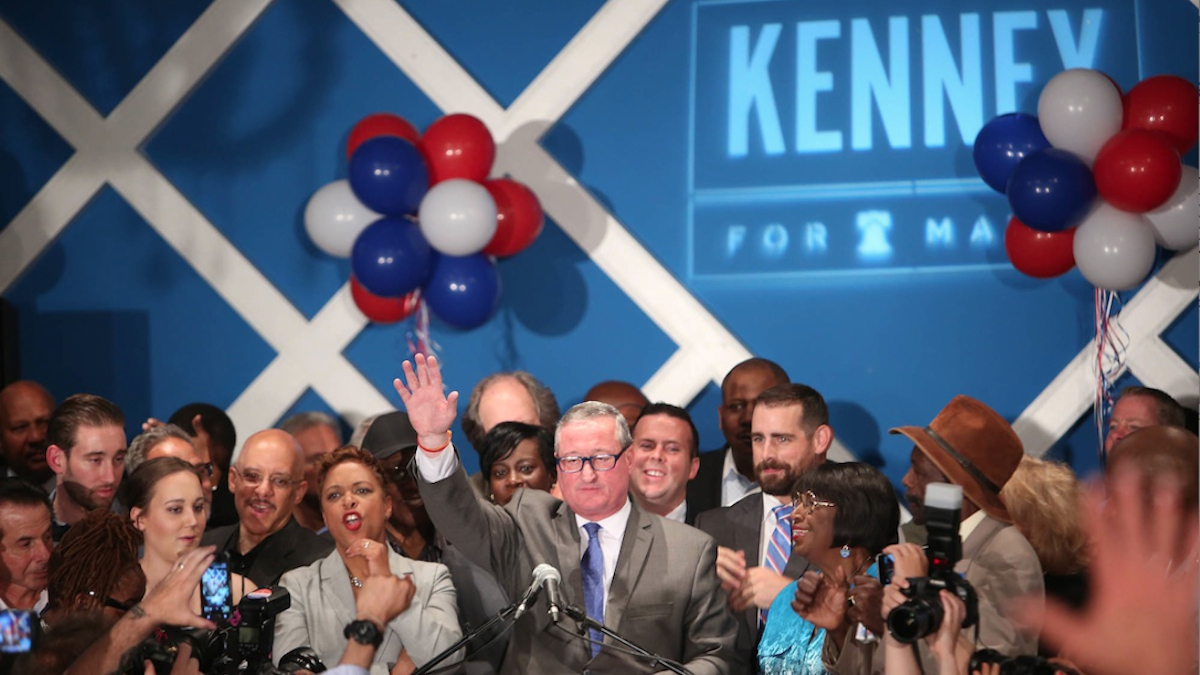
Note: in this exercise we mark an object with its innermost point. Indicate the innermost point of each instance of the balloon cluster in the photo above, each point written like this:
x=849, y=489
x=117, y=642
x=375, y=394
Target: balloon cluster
x=1095, y=180
x=420, y=221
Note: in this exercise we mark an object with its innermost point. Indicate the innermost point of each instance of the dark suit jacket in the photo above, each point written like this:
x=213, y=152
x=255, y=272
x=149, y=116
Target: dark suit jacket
x=739, y=527
x=292, y=547
x=664, y=595
x=999, y=562
x=704, y=491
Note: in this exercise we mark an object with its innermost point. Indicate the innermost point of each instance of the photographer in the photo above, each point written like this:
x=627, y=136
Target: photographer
x=970, y=445
x=948, y=645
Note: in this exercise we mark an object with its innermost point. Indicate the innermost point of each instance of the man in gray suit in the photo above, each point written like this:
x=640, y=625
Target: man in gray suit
x=650, y=579
x=790, y=433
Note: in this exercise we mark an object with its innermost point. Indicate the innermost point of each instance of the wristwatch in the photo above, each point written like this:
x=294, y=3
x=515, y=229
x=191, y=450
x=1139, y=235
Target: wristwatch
x=363, y=632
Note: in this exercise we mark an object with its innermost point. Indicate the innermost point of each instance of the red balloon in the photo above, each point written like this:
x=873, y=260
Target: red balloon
x=1041, y=255
x=380, y=124
x=458, y=146
x=1137, y=170
x=518, y=217
x=1167, y=104
x=383, y=310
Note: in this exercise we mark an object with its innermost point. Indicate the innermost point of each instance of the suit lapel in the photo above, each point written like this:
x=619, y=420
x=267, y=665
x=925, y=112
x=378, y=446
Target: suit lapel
x=746, y=516
x=335, y=584
x=635, y=546
x=566, y=540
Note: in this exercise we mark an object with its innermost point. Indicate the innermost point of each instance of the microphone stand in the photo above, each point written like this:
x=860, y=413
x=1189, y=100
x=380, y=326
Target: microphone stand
x=502, y=615
x=588, y=622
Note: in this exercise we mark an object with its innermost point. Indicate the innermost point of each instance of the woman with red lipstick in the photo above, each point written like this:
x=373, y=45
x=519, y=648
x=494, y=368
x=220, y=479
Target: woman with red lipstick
x=166, y=503
x=356, y=508
x=843, y=515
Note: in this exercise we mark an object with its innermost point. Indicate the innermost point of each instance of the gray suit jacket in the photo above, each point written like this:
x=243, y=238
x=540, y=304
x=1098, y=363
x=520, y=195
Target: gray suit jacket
x=999, y=562
x=664, y=596
x=323, y=603
x=739, y=527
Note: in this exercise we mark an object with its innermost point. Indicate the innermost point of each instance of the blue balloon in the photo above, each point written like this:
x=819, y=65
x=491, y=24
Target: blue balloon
x=1051, y=190
x=463, y=291
x=389, y=176
x=1002, y=143
x=391, y=258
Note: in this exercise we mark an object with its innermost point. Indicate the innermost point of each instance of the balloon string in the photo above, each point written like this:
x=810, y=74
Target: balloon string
x=424, y=343
x=1112, y=346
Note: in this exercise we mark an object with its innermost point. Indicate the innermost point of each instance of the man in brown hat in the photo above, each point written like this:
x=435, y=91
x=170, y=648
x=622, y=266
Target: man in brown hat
x=970, y=445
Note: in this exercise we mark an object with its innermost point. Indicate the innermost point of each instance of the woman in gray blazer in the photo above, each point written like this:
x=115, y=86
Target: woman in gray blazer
x=356, y=508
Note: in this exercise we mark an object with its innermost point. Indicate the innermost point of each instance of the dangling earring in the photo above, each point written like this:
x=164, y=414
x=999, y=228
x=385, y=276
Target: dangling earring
x=845, y=552
x=492, y=498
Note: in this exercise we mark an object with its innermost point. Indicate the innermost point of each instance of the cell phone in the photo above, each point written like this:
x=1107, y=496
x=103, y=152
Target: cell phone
x=18, y=628
x=216, y=597
x=887, y=567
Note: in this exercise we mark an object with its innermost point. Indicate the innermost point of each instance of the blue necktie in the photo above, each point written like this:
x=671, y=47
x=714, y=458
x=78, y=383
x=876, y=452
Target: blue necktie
x=593, y=581
x=779, y=549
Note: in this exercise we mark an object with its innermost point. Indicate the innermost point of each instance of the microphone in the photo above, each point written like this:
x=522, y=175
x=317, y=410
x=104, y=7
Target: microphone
x=530, y=595
x=545, y=575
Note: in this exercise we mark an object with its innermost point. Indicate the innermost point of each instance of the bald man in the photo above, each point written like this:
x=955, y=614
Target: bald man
x=621, y=395
x=267, y=482
x=25, y=409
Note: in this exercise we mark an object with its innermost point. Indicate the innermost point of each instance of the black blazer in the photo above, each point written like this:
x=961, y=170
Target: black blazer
x=739, y=527
x=704, y=491
x=292, y=547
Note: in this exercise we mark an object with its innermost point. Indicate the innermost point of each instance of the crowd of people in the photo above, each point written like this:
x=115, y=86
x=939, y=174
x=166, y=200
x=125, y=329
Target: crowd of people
x=599, y=540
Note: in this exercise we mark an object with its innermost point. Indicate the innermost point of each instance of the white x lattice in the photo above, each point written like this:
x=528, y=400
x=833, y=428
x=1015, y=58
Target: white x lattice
x=108, y=151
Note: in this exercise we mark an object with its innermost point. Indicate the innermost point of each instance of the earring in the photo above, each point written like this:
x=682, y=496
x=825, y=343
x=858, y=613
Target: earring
x=845, y=552
x=492, y=498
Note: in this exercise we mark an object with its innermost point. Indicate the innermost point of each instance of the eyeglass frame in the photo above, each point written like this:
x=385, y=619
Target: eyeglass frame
x=112, y=603
x=815, y=501
x=589, y=461
x=258, y=479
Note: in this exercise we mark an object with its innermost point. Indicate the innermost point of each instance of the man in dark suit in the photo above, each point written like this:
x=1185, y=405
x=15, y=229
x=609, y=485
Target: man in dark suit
x=648, y=578
x=726, y=475
x=267, y=482
x=790, y=434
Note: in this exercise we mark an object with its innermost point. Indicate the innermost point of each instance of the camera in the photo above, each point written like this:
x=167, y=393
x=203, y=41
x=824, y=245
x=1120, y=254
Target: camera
x=240, y=644
x=922, y=613
x=1016, y=665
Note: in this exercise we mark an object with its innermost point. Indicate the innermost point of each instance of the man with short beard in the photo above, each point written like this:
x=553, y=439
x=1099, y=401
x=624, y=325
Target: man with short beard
x=87, y=450
x=790, y=434
x=267, y=482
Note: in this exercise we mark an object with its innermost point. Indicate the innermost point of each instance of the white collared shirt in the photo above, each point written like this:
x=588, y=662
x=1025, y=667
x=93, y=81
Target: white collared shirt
x=612, y=533
x=734, y=485
x=679, y=513
x=43, y=598
x=767, y=530
x=968, y=525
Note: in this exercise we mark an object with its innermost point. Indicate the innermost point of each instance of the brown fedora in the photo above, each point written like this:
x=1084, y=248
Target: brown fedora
x=974, y=447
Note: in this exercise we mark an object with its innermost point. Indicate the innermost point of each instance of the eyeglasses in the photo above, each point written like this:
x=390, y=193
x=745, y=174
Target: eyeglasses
x=807, y=502
x=598, y=462
x=254, y=479
x=207, y=468
x=114, y=604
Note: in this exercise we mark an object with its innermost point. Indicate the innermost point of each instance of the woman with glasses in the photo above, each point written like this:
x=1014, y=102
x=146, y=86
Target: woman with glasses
x=517, y=455
x=166, y=504
x=356, y=506
x=843, y=516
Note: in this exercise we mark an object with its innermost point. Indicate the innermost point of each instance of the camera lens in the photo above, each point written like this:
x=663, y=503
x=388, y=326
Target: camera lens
x=914, y=620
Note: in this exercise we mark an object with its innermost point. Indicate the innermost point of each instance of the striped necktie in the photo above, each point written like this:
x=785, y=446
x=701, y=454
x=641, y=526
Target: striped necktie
x=779, y=549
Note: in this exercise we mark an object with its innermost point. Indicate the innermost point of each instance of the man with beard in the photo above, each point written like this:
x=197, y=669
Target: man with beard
x=87, y=452
x=25, y=409
x=726, y=475
x=267, y=482
x=25, y=544
x=790, y=434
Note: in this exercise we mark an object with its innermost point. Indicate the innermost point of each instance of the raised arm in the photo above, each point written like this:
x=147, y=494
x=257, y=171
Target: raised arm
x=430, y=410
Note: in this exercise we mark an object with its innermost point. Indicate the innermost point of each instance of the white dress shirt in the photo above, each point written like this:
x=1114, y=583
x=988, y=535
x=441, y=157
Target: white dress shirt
x=734, y=485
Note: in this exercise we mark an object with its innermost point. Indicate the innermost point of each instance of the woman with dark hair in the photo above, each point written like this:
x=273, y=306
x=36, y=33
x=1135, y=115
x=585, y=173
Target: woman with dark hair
x=166, y=504
x=517, y=455
x=843, y=516
x=356, y=507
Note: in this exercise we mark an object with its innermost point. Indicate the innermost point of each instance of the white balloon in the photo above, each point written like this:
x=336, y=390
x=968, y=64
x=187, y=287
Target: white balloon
x=334, y=218
x=458, y=217
x=1079, y=110
x=1175, y=223
x=1114, y=249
